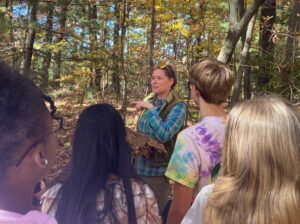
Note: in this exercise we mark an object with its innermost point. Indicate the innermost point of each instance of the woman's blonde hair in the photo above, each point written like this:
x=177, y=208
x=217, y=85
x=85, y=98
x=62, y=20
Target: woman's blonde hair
x=260, y=166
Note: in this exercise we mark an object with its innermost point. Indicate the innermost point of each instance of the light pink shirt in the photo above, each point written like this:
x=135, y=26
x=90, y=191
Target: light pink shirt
x=32, y=217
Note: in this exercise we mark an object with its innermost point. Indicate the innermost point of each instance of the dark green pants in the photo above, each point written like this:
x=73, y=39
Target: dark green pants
x=160, y=187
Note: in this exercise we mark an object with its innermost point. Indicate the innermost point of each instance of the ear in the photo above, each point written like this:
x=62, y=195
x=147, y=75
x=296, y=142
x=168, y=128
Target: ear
x=171, y=81
x=197, y=93
x=39, y=157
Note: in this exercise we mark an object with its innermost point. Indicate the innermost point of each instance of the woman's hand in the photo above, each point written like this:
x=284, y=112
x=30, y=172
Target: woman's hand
x=140, y=105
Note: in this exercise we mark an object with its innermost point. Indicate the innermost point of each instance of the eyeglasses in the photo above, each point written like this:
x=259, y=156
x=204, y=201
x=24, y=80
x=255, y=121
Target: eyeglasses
x=35, y=144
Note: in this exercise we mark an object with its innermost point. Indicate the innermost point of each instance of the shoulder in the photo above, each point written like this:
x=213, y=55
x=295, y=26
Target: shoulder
x=37, y=217
x=178, y=107
x=141, y=188
x=50, y=199
x=202, y=197
x=197, y=209
x=204, y=193
x=52, y=192
x=213, y=123
x=138, y=188
x=174, y=101
x=149, y=97
x=189, y=132
x=208, y=124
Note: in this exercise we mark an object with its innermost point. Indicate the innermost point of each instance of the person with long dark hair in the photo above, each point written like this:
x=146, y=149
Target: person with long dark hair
x=102, y=186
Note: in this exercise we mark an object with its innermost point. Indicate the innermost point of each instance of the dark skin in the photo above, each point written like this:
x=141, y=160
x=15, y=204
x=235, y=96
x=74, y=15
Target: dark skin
x=18, y=186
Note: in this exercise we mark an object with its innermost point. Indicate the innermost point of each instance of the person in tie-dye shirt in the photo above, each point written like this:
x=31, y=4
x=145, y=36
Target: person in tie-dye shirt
x=198, y=148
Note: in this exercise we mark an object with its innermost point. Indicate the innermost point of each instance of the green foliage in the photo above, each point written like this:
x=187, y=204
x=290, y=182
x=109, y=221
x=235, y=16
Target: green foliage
x=185, y=32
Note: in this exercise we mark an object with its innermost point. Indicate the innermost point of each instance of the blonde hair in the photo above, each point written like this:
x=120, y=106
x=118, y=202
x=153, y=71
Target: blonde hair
x=213, y=79
x=260, y=166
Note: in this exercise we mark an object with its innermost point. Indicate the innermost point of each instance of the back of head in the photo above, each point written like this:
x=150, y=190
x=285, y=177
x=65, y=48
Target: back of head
x=260, y=164
x=22, y=113
x=99, y=150
x=99, y=139
x=213, y=79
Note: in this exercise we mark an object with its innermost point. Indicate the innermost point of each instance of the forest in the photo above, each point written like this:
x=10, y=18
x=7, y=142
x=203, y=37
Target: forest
x=95, y=49
x=82, y=52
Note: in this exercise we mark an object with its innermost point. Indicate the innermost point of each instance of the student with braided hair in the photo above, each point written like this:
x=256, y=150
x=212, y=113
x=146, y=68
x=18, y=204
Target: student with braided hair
x=27, y=146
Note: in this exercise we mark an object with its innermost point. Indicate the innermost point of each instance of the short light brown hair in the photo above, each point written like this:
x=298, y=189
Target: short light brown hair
x=213, y=79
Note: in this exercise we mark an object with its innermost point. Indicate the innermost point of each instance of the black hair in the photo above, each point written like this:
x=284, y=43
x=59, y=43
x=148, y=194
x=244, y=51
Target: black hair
x=99, y=149
x=22, y=114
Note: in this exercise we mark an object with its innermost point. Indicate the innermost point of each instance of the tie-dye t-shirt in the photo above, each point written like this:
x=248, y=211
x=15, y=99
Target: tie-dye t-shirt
x=197, y=151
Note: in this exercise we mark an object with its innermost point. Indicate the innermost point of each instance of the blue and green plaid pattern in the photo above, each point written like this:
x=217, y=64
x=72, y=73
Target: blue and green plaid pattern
x=151, y=124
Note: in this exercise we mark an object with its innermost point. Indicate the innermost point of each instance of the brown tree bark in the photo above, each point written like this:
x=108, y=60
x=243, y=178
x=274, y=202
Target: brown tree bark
x=152, y=43
x=47, y=40
x=11, y=39
x=291, y=47
x=64, y=5
x=124, y=24
x=94, y=65
x=268, y=15
x=291, y=42
x=30, y=41
x=116, y=50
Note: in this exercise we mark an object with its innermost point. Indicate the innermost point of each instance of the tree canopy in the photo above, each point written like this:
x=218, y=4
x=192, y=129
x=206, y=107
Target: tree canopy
x=93, y=49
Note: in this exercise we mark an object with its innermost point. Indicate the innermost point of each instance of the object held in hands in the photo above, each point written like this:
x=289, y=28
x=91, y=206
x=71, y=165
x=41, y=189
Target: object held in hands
x=143, y=145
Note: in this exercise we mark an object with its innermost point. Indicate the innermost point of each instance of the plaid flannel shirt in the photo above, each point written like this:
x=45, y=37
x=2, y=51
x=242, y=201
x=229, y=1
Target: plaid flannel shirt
x=151, y=124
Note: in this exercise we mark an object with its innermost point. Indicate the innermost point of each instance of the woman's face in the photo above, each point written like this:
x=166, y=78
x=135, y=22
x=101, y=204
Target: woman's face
x=160, y=83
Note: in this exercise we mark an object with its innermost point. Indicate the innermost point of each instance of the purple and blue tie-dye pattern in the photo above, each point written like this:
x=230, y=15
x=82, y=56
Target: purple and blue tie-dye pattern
x=197, y=150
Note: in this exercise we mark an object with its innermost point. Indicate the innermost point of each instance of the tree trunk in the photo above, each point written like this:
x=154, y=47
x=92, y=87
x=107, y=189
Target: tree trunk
x=291, y=48
x=243, y=63
x=48, y=40
x=11, y=39
x=60, y=37
x=291, y=42
x=152, y=43
x=94, y=65
x=268, y=14
x=247, y=83
x=241, y=9
x=236, y=28
x=116, y=51
x=30, y=40
x=123, y=34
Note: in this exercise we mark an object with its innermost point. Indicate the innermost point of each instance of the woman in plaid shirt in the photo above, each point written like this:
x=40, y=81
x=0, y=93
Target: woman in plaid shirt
x=162, y=117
